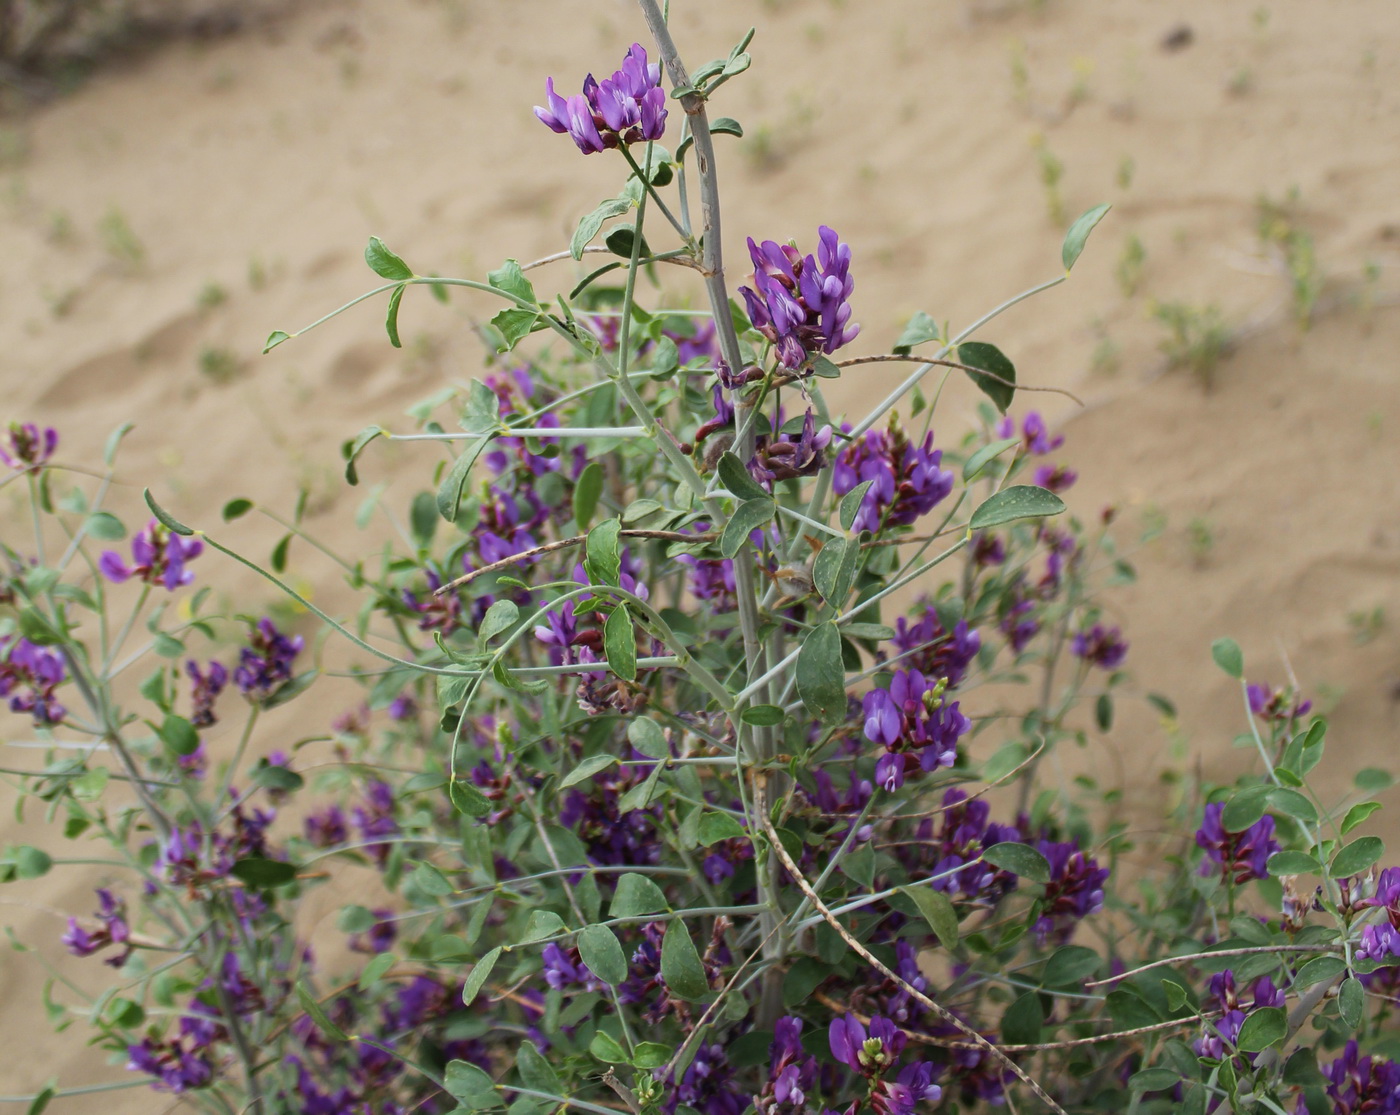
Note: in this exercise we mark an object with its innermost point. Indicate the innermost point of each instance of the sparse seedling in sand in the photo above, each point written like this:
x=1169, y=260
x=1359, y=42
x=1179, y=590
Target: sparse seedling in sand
x=662, y=792
x=1197, y=338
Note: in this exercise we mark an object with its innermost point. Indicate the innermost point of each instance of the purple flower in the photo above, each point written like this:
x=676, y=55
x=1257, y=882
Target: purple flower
x=208, y=684
x=37, y=669
x=1056, y=478
x=900, y=1096
x=1075, y=889
x=792, y=1073
x=926, y=646
x=623, y=109
x=27, y=447
x=912, y=716
x=785, y=458
x=375, y=819
x=906, y=482
x=380, y=936
x=1387, y=896
x=1240, y=855
x=158, y=557
x=1100, y=646
x=265, y=664
x=1275, y=704
x=327, y=828
x=1362, y=1084
x=1380, y=943
x=800, y=303
x=114, y=931
x=708, y=1085
x=964, y=834
x=870, y=1055
x=1035, y=436
x=179, y=1065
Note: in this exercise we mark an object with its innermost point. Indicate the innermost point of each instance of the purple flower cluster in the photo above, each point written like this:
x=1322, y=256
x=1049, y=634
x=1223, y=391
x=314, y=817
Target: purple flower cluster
x=1100, y=646
x=29, y=674
x=906, y=481
x=624, y=109
x=965, y=831
x=801, y=302
x=114, y=931
x=1075, y=889
x=374, y=817
x=265, y=664
x=1220, y=1036
x=927, y=646
x=784, y=457
x=158, y=557
x=708, y=1085
x=27, y=447
x=874, y=1056
x=792, y=1072
x=207, y=685
x=912, y=716
x=1240, y=856
x=379, y=937
x=182, y=1063
x=613, y=836
x=1269, y=703
x=1034, y=434
x=1357, y=1084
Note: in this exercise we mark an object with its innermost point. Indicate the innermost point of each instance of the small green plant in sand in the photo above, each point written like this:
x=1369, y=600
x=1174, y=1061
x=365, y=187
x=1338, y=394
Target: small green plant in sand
x=219, y=365
x=1197, y=337
x=1366, y=624
x=1279, y=228
x=211, y=294
x=120, y=242
x=1130, y=263
x=1052, y=171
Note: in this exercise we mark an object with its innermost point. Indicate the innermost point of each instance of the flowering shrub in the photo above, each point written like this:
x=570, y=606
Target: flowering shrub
x=670, y=810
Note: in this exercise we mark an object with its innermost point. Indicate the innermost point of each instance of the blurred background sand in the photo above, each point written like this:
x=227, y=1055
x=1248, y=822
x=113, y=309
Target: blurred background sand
x=161, y=219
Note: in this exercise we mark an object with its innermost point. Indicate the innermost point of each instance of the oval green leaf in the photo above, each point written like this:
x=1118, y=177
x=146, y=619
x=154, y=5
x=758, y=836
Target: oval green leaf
x=598, y=947
x=1021, y=501
x=1019, y=859
x=1078, y=234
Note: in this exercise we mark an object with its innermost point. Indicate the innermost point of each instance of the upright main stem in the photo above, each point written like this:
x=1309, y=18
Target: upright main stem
x=712, y=267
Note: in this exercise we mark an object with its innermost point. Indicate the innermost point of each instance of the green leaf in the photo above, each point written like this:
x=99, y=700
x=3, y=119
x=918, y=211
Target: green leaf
x=1022, y=1021
x=31, y=862
x=738, y=479
x=1228, y=657
x=262, y=873
x=636, y=895
x=1370, y=779
x=1264, y=1027
x=391, y=318
x=278, y=560
x=318, y=1014
x=355, y=919
x=834, y=571
x=536, y=1073
x=763, y=716
x=715, y=827
x=937, y=910
x=510, y=279
x=821, y=674
x=542, y=924
x=651, y=1055
x=1293, y=804
x=1175, y=993
x=1351, y=1001
x=588, y=489
x=604, y=1046
x=681, y=967
x=587, y=769
x=105, y=527
x=589, y=225
x=1358, y=813
x=449, y=497
x=467, y=799
x=1153, y=1080
x=275, y=338
x=620, y=643
x=482, y=412
x=1357, y=856
x=978, y=461
x=1079, y=233
x=1069, y=966
x=1000, y=384
x=236, y=509
x=385, y=263
x=478, y=976
x=41, y=1101
x=501, y=616
x=423, y=518
x=1319, y=969
x=603, y=553
x=375, y=969
x=1103, y=712
x=921, y=328
x=598, y=947
x=514, y=326
x=114, y=440
x=850, y=503
x=164, y=517
x=1245, y=808
x=747, y=517
x=620, y=240
x=471, y=1085
x=1293, y=863
x=179, y=735
x=1019, y=859
x=647, y=737
x=1021, y=501
x=430, y=881
x=352, y=449
x=824, y=368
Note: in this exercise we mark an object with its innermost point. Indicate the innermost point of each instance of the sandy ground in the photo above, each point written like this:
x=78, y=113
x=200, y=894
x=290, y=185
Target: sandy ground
x=161, y=221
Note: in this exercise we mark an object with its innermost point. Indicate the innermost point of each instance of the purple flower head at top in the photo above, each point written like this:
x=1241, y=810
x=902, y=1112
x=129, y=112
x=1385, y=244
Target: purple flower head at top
x=906, y=480
x=1241, y=856
x=265, y=664
x=26, y=446
x=158, y=557
x=1075, y=889
x=1276, y=704
x=1035, y=435
x=1100, y=646
x=623, y=109
x=1387, y=896
x=925, y=645
x=912, y=716
x=800, y=303
x=29, y=674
